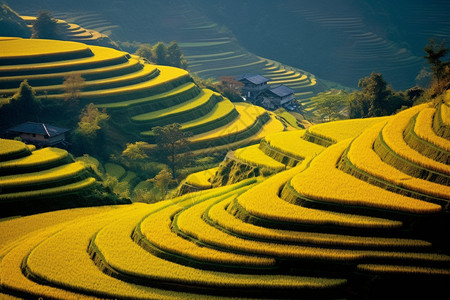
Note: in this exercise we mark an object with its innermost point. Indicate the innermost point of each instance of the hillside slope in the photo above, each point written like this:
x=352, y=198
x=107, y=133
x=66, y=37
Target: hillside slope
x=329, y=227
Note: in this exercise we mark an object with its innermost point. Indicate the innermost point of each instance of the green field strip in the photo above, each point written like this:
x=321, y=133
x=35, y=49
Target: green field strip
x=203, y=44
x=250, y=64
x=194, y=57
x=69, y=65
x=277, y=213
x=295, y=80
x=168, y=78
x=307, y=189
x=221, y=114
x=393, y=149
x=220, y=59
x=147, y=73
x=380, y=269
x=253, y=156
x=181, y=93
x=204, y=99
x=115, y=170
x=363, y=162
x=218, y=216
x=11, y=149
x=38, y=160
x=57, y=176
x=131, y=65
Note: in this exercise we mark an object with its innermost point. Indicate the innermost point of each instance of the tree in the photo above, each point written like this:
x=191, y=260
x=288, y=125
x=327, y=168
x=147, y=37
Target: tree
x=175, y=57
x=440, y=69
x=159, y=54
x=45, y=27
x=91, y=120
x=171, y=141
x=161, y=181
x=73, y=84
x=230, y=88
x=136, y=151
x=145, y=51
x=22, y=106
x=330, y=104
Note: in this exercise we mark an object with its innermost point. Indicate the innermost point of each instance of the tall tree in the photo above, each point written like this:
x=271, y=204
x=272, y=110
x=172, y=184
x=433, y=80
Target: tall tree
x=91, y=120
x=73, y=84
x=439, y=68
x=159, y=54
x=171, y=141
x=45, y=27
x=145, y=51
x=161, y=181
x=175, y=57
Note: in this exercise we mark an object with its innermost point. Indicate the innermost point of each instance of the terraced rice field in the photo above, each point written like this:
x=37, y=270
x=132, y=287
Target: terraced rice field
x=38, y=180
x=137, y=95
x=341, y=219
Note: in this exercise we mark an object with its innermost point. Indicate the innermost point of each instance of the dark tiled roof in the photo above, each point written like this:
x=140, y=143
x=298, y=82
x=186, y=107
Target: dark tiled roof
x=282, y=91
x=255, y=79
x=38, y=128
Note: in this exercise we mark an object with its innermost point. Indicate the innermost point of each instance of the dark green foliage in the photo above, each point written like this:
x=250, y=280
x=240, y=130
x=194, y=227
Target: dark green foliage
x=45, y=27
x=171, y=141
x=376, y=98
x=11, y=24
x=439, y=68
x=329, y=105
x=23, y=106
x=161, y=54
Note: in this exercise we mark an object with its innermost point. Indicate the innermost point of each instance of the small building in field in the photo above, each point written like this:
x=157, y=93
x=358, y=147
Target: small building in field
x=276, y=97
x=254, y=85
x=39, y=134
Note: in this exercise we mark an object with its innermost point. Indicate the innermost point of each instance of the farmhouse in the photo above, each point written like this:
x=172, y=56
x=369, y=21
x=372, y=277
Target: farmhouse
x=276, y=97
x=254, y=85
x=39, y=134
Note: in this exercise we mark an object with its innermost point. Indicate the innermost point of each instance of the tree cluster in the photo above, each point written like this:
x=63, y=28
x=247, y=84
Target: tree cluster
x=46, y=27
x=161, y=54
x=440, y=69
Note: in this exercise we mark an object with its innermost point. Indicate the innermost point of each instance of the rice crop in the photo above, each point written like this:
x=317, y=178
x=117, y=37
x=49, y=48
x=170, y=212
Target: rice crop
x=10, y=149
x=361, y=154
x=344, y=190
x=326, y=134
x=393, y=149
x=278, y=210
x=253, y=156
x=218, y=216
x=201, y=179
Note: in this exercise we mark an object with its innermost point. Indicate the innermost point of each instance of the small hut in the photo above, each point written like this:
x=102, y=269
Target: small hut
x=39, y=134
x=254, y=85
x=278, y=96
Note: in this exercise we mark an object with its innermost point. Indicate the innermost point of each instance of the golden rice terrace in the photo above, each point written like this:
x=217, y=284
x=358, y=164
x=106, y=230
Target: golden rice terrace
x=358, y=213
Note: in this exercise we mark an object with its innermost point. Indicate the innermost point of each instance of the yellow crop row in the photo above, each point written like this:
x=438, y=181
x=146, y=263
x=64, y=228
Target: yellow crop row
x=218, y=215
x=392, y=269
x=341, y=130
x=41, y=156
x=291, y=142
x=247, y=115
x=255, y=157
x=363, y=157
x=190, y=222
x=157, y=230
x=201, y=99
x=54, y=174
x=392, y=135
x=35, y=47
x=135, y=261
x=424, y=129
x=275, y=208
x=49, y=261
x=342, y=188
x=219, y=111
x=11, y=147
x=201, y=179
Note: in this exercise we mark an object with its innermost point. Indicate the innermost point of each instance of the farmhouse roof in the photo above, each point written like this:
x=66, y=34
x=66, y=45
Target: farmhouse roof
x=255, y=79
x=281, y=91
x=38, y=128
